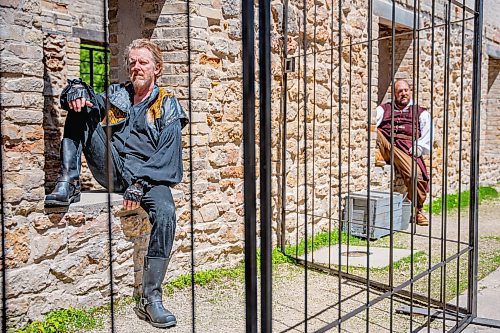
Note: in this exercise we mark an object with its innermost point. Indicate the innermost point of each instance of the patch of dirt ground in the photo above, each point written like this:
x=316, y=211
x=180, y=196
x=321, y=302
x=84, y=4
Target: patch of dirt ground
x=220, y=305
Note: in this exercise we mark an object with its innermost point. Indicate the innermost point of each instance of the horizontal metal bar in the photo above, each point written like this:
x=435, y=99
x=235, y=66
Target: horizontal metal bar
x=334, y=46
x=461, y=5
x=495, y=323
x=396, y=291
x=453, y=241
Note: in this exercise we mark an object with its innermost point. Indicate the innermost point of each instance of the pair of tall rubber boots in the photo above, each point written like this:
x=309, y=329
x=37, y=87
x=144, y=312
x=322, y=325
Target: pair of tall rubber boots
x=67, y=191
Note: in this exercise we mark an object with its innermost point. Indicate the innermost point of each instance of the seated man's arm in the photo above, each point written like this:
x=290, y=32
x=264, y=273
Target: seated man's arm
x=77, y=95
x=425, y=140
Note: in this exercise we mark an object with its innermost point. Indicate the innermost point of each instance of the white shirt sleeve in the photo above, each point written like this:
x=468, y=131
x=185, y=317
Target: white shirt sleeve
x=425, y=140
x=379, y=116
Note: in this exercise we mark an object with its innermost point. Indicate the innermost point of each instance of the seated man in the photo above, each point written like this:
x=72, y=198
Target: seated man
x=145, y=151
x=404, y=151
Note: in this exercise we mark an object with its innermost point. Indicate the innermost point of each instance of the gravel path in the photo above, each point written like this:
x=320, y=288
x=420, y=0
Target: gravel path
x=219, y=306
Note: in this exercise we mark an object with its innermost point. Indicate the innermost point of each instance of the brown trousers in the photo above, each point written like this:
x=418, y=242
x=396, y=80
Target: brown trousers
x=402, y=163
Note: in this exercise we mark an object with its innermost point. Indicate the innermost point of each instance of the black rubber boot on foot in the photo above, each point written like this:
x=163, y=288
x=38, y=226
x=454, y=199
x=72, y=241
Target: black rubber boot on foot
x=67, y=189
x=150, y=307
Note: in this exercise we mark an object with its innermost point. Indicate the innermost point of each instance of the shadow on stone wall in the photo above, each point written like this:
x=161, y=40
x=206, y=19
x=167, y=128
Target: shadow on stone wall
x=54, y=76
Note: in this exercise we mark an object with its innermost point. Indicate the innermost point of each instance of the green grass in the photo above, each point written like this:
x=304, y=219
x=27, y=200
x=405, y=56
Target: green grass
x=323, y=239
x=65, y=321
x=452, y=200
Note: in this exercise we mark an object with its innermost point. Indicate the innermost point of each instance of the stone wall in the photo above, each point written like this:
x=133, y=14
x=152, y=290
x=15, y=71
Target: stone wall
x=65, y=25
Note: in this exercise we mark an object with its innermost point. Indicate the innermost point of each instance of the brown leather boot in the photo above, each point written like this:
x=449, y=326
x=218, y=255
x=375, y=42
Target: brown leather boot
x=422, y=219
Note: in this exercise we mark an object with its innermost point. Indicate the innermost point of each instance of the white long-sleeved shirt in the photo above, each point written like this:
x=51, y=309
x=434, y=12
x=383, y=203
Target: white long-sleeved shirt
x=425, y=124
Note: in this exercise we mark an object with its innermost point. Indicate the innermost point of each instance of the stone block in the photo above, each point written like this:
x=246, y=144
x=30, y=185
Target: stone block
x=17, y=246
x=46, y=246
x=231, y=8
x=27, y=280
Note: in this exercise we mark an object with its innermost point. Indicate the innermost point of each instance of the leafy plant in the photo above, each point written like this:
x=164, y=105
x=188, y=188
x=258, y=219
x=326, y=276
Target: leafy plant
x=64, y=321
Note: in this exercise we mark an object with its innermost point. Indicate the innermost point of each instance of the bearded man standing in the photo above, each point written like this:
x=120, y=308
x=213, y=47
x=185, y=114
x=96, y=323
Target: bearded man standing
x=145, y=145
x=410, y=142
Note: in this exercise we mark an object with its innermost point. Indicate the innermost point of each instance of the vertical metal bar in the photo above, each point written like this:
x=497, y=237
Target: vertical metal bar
x=391, y=190
x=414, y=141
x=429, y=262
x=330, y=145
x=368, y=175
x=460, y=147
x=339, y=126
x=474, y=167
x=444, y=217
x=2, y=221
x=248, y=59
x=348, y=200
x=91, y=66
x=191, y=196
x=285, y=119
x=265, y=164
x=109, y=162
x=297, y=150
x=313, y=216
x=305, y=164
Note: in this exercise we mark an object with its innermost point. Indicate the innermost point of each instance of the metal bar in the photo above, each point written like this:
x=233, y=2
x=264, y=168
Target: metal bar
x=460, y=147
x=429, y=249
x=109, y=162
x=391, y=290
x=330, y=146
x=2, y=221
x=474, y=168
x=304, y=3
x=340, y=161
x=399, y=34
x=349, y=155
x=414, y=138
x=313, y=136
x=464, y=7
x=285, y=120
x=368, y=157
x=191, y=173
x=91, y=67
x=391, y=181
x=298, y=149
x=487, y=322
x=265, y=164
x=248, y=59
x=444, y=214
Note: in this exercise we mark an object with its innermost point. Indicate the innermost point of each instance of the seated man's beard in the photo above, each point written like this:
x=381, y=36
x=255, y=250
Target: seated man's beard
x=139, y=83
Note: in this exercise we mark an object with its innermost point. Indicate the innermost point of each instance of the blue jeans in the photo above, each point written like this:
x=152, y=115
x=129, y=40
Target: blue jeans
x=83, y=130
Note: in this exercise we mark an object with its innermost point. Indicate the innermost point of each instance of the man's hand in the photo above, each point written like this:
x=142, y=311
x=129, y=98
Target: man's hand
x=132, y=197
x=77, y=104
x=417, y=153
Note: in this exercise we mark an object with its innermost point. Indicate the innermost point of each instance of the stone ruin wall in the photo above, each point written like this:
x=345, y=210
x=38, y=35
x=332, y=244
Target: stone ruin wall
x=61, y=248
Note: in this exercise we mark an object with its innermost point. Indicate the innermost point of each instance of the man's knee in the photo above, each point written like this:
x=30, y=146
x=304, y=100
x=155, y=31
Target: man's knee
x=160, y=203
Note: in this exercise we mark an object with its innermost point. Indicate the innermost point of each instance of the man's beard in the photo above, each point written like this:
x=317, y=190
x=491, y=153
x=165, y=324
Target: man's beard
x=140, y=82
x=400, y=104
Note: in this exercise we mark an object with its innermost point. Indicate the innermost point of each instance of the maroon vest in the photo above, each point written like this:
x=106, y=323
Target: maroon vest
x=402, y=130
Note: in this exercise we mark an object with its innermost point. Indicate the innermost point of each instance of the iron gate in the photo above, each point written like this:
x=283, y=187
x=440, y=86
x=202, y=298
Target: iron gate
x=325, y=85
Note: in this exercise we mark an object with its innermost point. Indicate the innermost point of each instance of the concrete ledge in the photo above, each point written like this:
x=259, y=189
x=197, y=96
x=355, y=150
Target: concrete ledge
x=91, y=202
x=403, y=17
